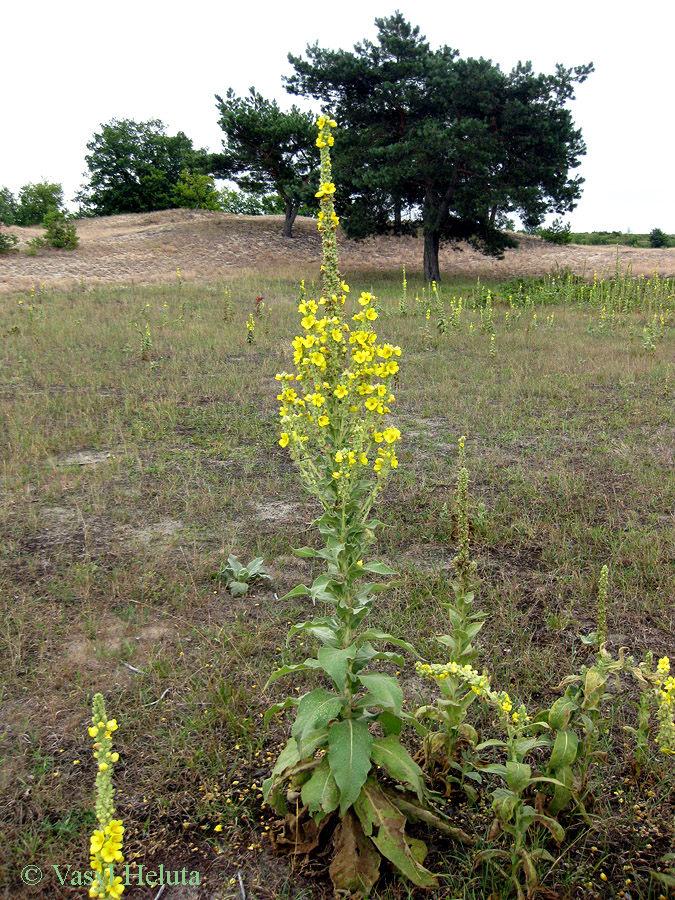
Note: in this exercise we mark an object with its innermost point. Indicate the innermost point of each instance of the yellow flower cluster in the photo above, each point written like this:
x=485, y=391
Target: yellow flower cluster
x=106, y=849
x=106, y=841
x=333, y=405
x=665, y=684
x=479, y=684
x=341, y=389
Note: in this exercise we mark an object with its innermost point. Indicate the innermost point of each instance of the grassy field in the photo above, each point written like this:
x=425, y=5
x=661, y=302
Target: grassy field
x=135, y=458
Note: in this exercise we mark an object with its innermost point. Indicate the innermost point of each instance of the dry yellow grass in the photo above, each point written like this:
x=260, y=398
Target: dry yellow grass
x=146, y=248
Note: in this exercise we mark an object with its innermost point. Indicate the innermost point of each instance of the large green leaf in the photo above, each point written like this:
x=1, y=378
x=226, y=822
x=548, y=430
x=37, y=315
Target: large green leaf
x=385, y=690
x=564, y=749
x=374, y=634
x=321, y=793
x=385, y=825
x=315, y=710
x=561, y=712
x=378, y=568
x=238, y=588
x=287, y=670
x=517, y=776
x=349, y=746
x=389, y=753
x=310, y=740
x=335, y=663
x=325, y=629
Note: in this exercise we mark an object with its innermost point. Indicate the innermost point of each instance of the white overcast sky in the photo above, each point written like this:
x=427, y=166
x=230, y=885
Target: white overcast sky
x=69, y=67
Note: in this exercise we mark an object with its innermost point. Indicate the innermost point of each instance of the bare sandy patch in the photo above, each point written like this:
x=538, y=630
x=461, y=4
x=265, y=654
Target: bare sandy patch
x=147, y=248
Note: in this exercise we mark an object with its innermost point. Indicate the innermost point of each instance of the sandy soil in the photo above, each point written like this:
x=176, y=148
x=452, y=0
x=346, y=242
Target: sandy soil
x=147, y=247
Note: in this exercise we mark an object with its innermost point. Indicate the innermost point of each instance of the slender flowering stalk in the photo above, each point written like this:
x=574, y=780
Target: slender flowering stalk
x=106, y=841
x=333, y=407
x=328, y=220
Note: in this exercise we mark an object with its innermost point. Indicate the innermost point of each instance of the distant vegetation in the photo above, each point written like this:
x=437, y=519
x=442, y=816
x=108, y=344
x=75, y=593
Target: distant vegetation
x=656, y=238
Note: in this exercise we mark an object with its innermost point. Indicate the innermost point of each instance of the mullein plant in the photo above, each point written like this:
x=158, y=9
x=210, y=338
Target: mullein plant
x=403, y=302
x=106, y=841
x=333, y=418
x=447, y=745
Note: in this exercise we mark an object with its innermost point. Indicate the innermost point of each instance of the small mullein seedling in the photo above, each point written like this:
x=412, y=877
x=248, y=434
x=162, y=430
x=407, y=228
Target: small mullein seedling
x=106, y=841
x=238, y=578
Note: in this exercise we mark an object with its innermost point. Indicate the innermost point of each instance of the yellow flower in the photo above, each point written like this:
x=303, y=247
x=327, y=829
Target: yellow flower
x=97, y=841
x=116, y=888
x=341, y=391
x=283, y=440
x=326, y=189
x=391, y=434
x=110, y=852
x=365, y=298
x=321, y=122
x=116, y=829
x=336, y=334
x=363, y=459
x=323, y=420
x=371, y=403
x=371, y=314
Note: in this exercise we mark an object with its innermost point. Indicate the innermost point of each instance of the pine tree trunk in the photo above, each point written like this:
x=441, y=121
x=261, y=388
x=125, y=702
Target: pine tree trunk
x=432, y=240
x=291, y=213
x=397, y=215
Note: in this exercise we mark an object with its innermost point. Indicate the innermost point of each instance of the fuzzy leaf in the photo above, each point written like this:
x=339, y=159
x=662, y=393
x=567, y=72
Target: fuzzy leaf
x=321, y=792
x=378, y=568
x=335, y=663
x=385, y=824
x=300, y=591
x=373, y=634
x=234, y=564
x=349, y=746
x=287, y=670
x=518, y=776
x=323, y=629
x=560, y=713
x=289, y=701
x=389, y=753
x=564, y=750
x=256, y=567
x=238, y=588
x=390, y=723
x=305, y=552
x=315, y=710
x=556, y=829
x=385, y=690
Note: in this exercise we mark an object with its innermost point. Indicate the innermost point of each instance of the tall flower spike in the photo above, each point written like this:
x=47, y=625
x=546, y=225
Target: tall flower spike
x=106, y=841
x=328, y=220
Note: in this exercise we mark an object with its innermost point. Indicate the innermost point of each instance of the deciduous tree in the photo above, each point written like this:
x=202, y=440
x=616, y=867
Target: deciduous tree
x=135, y=167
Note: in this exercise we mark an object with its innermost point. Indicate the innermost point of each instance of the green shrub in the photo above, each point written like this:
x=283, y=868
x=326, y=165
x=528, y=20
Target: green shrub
x=7, y=241
x=556, y=233
x=60, y=233
x=658, y=238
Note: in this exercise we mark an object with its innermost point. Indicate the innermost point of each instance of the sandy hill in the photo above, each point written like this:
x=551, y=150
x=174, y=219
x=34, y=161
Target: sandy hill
x=148, y=247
